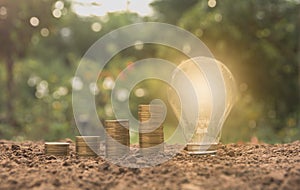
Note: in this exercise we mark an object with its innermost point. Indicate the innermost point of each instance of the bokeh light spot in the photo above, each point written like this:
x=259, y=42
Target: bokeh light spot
x=45, y=32
x=3, y=12
x=199, y=32
x=96, y=27
x=42, y=89
x=56, y=13
x=122, y=94
x=33, y=81
x=186, y=48
x=212, y=3
x=218, y=17
x=56, y=105
x=77, y=83
x=139, y=45
x=34, y=21
x=108, y=110
x=260, y=15
x=65, y=32
x=59, y=5
x=94, y=88
x=140, y=92
x=108, y=83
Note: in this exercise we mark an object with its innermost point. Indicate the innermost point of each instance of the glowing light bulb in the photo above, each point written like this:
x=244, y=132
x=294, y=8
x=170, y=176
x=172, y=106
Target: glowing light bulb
x=215, y=89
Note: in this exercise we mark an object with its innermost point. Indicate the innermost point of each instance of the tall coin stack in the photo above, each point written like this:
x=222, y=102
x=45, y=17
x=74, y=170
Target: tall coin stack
x=151, y=134
x=57, y=148
x=87, y=145
x=117, y=138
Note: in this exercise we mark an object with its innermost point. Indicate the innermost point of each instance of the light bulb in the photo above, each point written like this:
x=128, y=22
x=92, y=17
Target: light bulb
x=215, y=89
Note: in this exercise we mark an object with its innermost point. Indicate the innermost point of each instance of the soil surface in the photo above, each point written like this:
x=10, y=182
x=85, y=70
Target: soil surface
x=234, y=166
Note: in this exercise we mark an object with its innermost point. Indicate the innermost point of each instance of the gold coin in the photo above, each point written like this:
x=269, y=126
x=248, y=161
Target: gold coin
x=56, y=148
x=202, y=146
x=86, y=145
x=87, y=138
x=117, y=139
x=57, y=144
x=87, y=149
x=148, y=106
x=151, y=134
x=121, y=122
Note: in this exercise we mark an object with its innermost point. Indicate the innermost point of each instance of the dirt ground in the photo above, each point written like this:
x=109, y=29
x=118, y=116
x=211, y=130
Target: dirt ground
x=235, y=166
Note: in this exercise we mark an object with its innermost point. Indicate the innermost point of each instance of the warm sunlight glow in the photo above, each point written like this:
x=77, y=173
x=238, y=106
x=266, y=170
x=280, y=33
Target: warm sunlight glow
x=102, y=7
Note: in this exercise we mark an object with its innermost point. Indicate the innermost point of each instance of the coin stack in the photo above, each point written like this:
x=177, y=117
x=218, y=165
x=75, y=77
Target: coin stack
x=202, y=148
x=87, y=145
x=117, y=138
x=151, y=134
x=57, y=148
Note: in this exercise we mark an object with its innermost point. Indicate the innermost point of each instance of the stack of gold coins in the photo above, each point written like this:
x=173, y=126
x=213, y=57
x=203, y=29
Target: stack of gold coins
x=87, y=145
x=151, y=134
x=117, y=138
x=202, y=148
x=57, y=148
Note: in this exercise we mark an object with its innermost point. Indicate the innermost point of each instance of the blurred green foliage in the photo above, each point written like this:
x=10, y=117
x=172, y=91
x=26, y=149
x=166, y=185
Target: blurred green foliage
x=42, y=43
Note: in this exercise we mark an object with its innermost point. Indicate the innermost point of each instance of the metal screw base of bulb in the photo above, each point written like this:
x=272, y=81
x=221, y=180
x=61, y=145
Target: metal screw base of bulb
x=201, y=148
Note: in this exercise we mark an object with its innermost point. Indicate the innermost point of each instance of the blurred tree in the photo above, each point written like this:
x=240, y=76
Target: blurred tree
x=43, y=41
x=258, y=41
x=19, y=22
x=171, y=11
x=44, y=73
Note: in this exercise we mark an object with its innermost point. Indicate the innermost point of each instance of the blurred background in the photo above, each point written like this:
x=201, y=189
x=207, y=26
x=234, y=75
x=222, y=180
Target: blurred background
x=42, y=42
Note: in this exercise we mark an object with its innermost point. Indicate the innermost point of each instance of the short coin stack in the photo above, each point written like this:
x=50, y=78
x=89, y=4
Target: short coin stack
x=202, y=148
x=117, y=138
x=87, y=145
x=57, y=148
x=151, y=134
